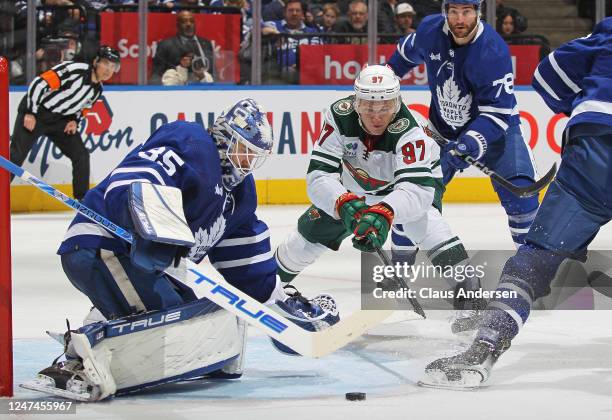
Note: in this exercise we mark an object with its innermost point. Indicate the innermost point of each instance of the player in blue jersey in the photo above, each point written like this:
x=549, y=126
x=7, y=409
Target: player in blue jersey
x=574, y=80
x=472, y=100
x=183, y=192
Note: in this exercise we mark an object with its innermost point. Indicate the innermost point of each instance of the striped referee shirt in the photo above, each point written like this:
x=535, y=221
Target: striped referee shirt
x=64, y=89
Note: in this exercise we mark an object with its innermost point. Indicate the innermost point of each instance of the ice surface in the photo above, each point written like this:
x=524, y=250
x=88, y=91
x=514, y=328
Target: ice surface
x=558, y=368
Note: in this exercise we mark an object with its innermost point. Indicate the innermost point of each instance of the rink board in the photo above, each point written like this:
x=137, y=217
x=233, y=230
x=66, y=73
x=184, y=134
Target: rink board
x=128, y=115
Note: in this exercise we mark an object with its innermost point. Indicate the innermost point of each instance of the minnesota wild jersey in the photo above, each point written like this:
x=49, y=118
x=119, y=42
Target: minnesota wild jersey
x=400, y=167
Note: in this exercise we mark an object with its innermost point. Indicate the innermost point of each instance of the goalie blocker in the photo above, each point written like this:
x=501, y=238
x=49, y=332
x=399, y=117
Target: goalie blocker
x=191, y=341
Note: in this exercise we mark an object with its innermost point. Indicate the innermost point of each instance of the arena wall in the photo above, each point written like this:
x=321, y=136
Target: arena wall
x=128, y=115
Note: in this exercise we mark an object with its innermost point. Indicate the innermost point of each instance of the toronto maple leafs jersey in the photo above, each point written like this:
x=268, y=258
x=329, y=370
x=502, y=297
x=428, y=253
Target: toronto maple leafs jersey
x=576, y=79
x=183, y=155
x=472, y=86
x=401, y=167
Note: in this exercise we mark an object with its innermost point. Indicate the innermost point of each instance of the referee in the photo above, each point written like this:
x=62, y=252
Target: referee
x=55, y=102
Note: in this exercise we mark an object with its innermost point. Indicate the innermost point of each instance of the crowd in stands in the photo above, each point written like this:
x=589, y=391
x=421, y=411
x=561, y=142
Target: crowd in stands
x=68, y=29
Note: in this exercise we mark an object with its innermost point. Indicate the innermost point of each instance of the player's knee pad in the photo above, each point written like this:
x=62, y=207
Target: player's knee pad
x=185, y=342
x=521, y=211
x=295, y=254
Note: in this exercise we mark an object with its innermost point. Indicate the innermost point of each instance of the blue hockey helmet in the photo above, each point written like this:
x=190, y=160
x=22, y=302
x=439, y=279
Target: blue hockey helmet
x=475, y=3
x=244, y=136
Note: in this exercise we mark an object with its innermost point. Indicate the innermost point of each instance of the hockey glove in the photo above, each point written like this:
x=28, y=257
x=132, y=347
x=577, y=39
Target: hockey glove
x=373, y=227
x=349, y=207
x=472, y=144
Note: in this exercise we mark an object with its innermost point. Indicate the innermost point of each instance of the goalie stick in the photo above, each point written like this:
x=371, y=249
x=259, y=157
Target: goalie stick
x=306, y=343
x=518, y=191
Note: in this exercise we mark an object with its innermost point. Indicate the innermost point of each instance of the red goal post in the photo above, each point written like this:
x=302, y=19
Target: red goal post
x=6, y=322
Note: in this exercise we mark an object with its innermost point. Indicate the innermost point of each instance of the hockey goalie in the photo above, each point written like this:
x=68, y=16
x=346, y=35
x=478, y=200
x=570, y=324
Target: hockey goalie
x=185, y=192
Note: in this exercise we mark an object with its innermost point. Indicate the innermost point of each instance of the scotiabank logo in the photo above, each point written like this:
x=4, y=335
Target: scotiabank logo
x=99, y=117
x=127, y=50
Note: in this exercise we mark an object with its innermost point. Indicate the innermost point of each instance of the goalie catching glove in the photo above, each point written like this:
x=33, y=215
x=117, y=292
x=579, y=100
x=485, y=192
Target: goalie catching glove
x=373, y=227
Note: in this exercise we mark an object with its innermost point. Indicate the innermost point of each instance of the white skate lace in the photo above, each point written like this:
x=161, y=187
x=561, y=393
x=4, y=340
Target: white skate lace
x=327, y=303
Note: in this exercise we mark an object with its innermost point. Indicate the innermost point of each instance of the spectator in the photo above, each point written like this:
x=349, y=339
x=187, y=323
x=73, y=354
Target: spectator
x=520, y=21
x=505, y=24
x=169, y=50
x=424, y=8
x=404, y=17
x=292, y=24
x=274, y=10
x=187, y=71
x=77, y=47
x=386, y=16
x=170, y=4
x=330, y=16
x=309, y=20
x=357, y=23
x=150, y=3
x=58, y=3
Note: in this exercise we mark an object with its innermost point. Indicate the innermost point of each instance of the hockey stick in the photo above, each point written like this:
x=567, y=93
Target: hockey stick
x=402, y=284
x=306, y=343
x=526, y=191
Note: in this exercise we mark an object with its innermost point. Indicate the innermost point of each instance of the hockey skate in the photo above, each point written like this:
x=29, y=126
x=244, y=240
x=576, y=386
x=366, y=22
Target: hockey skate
x=313, y=314
x=468, y=314
x=466, y=371
x=67, y=379
x=80, y=377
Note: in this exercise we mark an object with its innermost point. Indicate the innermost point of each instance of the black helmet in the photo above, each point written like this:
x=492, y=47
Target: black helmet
x=109, y=54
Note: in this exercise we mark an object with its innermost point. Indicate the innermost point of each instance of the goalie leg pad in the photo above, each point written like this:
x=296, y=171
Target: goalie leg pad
x=134, y=353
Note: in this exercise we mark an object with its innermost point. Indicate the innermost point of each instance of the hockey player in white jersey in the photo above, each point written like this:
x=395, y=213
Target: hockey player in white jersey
x=574, y=80
x=472, y=100
x=183, y=192
x=373, y=170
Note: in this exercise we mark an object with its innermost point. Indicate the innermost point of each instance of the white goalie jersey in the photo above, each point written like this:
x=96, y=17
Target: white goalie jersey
x=400, y=167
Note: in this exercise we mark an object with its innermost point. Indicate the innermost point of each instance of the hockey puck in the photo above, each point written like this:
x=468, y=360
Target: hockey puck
x=355, y=396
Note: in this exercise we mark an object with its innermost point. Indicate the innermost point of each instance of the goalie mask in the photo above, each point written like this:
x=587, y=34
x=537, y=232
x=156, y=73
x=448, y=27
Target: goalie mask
x=377, y=97
x=244, y=139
